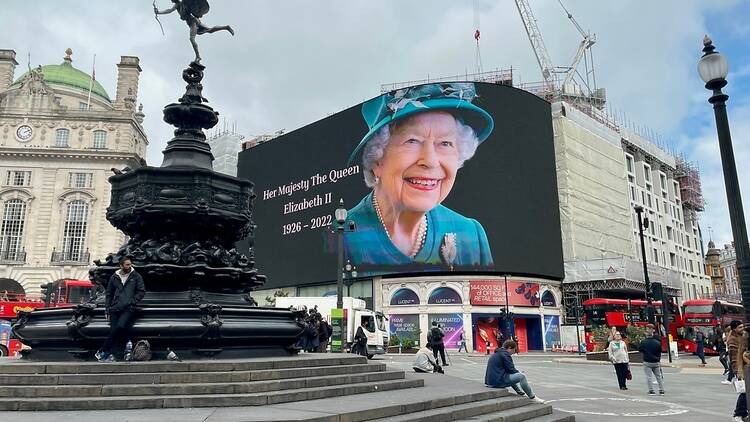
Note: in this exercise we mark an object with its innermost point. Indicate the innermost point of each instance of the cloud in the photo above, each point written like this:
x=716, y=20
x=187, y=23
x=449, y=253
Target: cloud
x=293, y=62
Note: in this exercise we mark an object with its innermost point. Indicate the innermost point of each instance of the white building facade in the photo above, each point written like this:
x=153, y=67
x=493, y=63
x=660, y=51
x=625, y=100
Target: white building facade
x=60, y=136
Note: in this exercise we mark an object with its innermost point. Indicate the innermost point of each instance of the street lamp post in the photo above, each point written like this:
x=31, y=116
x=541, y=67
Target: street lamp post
x=713, y=69
x=350, y=274
x=643, y=224
x=340, y=215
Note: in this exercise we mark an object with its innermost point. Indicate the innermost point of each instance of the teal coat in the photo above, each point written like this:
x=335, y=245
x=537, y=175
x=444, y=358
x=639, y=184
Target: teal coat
x=369, y=248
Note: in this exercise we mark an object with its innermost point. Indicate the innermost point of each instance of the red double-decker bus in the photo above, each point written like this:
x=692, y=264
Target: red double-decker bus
x=65, y=292
x=622, y=312
x=705, y=315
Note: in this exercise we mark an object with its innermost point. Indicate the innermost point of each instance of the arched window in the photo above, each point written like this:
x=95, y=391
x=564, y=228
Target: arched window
x=61, y=139
x=404, y=296
x=100, y=139
x=11, y=231
x=444, y=296
x=74, y=235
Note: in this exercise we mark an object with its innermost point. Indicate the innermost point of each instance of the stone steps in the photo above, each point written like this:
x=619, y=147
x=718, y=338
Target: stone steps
x=202, y=400
x=313, y=388
x=21, y=391
x=522, y=415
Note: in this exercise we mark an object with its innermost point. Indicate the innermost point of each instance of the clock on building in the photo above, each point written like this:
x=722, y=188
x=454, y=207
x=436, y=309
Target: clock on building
x=24, y=132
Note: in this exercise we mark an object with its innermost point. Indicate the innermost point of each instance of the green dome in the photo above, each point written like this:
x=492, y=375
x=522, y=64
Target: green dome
x=67, y=75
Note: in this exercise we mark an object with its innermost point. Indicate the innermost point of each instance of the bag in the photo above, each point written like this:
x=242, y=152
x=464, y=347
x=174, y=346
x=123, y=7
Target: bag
x=141, y=351
x=628, y=375
x=739, y=385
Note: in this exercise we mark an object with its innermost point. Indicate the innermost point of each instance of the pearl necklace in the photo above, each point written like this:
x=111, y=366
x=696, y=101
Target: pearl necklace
x=421, y=232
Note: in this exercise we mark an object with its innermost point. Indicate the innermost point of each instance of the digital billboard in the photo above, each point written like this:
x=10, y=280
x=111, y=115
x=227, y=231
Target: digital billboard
x=455, y=178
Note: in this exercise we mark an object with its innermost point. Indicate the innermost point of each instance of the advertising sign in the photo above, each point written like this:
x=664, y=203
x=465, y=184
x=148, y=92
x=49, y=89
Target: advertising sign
x=451, y=324
x=404, y=297
x=548, y=299
x=405, y=326
x=444, y=296
x=338, y=325
x=551, y=330
x=492, y=292
x=493, y=146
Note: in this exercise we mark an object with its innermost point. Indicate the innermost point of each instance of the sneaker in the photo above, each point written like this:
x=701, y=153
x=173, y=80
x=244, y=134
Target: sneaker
x=651, y=393
x=110, y=358
x=446, y=364
x=623, y=388
x=726, y=382
x=521, y=393
x=100, y=356
x=661, y=392
x=738, y=419
x=537, y=400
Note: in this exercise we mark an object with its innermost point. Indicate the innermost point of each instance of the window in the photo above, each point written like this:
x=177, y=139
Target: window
x=18, y=178
x=11, y=231
x=629, y=162
x=83, y=106
x=663, y=181
x=669, y=233
x=656, y=256
x=74, y=235
x=80, y=180
x=61, y=139
x=672, y=259
x=714, y=271
x=100, y=139
x=647, y=173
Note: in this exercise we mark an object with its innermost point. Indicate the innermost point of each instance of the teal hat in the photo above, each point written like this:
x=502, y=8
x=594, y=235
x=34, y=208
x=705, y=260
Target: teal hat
x=454, y=97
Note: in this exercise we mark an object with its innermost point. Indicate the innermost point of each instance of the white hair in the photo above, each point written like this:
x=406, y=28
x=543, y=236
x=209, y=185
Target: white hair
x=466, y=142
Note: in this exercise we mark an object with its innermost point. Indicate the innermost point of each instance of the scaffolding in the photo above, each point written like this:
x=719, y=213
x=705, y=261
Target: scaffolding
x=689, y=178
x=498, y=76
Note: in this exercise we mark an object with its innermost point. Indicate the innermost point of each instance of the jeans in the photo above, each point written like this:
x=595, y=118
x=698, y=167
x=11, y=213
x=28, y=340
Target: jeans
x=701, y=354
x=653, y=370
x=740, y=409
x=462, y=345
x=119, y=325
x=621, y=369
x=730, y=374
x=439, y=347
x=519, y=378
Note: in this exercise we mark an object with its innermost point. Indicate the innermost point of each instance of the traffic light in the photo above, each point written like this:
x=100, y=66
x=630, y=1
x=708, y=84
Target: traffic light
x=48, y=290
x=657, y=291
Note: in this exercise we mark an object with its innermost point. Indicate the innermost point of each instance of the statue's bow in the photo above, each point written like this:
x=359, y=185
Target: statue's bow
x=156, y=16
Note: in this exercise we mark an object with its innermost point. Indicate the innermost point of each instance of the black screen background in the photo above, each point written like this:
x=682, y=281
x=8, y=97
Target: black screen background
x=509, y=186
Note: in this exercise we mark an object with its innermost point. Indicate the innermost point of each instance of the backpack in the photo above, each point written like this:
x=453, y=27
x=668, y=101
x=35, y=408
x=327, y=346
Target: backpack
x=141, y=351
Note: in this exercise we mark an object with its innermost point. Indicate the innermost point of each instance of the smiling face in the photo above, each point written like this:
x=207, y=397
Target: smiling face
x=419, y=163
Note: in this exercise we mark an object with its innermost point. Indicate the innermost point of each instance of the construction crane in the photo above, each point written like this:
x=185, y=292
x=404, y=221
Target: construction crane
x=550, y=72
x=586, y=43
x=537, y=43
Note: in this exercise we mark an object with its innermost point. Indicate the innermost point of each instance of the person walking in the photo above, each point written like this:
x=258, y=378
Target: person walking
x=721, y=348
x=502, y=373
x=650, y=347
x=737, y=346
x=617, y=351
x=360, y=340
x=325, y=331
x=124, y=290
x=436, y=339
x=462, y=343
x=700, y=340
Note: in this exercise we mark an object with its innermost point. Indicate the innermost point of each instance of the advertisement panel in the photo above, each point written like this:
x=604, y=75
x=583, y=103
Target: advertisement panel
x=444, y=296
x=451, y=324
x=405, y=326
x=404, y=297
x=551, y=330
x=410, y=166
x=487, y=333
x=492, y=292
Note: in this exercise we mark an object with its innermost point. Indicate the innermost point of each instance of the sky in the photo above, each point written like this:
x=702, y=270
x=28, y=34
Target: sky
x=293, y=62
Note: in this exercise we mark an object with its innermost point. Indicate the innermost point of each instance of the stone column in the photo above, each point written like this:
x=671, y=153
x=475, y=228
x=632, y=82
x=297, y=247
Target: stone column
x=8, y=65
x=128, y=72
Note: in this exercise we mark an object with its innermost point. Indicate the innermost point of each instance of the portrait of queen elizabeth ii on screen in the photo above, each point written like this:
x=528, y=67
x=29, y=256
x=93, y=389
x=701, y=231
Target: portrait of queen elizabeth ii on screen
x=418, y=139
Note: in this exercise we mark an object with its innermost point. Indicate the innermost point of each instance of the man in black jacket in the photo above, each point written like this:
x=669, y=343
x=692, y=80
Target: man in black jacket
x=124, y=290
x=436, y=339
x=650, y=347
x=502, y=373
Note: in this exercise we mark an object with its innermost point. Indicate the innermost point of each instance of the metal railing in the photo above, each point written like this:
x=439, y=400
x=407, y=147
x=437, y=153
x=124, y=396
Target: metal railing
x=12, y=257
x=70, y=257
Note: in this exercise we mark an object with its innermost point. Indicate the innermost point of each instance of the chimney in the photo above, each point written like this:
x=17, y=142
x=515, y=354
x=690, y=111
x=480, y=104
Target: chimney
x=8, y=65
x=128, y=71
